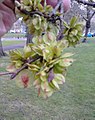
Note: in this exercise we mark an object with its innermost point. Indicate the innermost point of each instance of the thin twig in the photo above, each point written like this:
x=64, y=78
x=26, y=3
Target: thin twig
x=60, y=35
x=56, y=8
x=86, y=3
x=84, y=18
x=5, y=73
x=92, y=15
x=30, y=13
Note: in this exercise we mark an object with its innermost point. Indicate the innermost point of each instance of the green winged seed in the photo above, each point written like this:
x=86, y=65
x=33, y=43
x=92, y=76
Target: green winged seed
x=26, y=2
x=59, y=78
x=55, y=84
x=67, y=55
x=73, y=21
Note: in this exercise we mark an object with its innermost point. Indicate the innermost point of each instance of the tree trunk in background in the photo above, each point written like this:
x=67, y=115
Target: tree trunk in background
x=1, y=49
x=88, y=24
x=29, y=37
x=86, y=31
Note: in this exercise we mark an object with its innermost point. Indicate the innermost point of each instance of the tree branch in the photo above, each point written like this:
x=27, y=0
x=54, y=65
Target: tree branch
x=50, y=17
x=86, y=3
x=92, y=15
x=84, y=18
x=60, y=35
x=14, y=74
x=5, y=73
x=56, y=7
x=24, y=67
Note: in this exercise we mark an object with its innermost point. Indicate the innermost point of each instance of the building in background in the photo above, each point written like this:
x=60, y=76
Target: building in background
x=18, y=27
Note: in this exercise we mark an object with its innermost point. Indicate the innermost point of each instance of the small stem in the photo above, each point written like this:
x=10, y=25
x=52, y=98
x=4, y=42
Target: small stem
x=45, y=3
x=30, y=13
x=56, y=7
x=5, y=73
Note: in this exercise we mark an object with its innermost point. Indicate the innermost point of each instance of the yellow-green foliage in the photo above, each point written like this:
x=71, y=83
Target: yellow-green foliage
x=49, y=70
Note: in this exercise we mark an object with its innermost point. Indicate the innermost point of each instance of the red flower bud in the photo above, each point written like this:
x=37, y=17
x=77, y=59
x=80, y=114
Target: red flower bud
x=25, y=80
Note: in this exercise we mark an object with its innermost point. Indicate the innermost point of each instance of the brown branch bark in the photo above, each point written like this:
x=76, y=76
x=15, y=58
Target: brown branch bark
x=5, y=73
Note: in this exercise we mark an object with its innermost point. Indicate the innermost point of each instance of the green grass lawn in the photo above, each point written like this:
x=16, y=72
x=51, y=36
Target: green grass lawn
x=14, y=35
x=75, y=101
x=12, y=42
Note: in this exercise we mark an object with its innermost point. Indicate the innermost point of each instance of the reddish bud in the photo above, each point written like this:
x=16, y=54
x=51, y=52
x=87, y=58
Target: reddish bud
x=25, y=80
